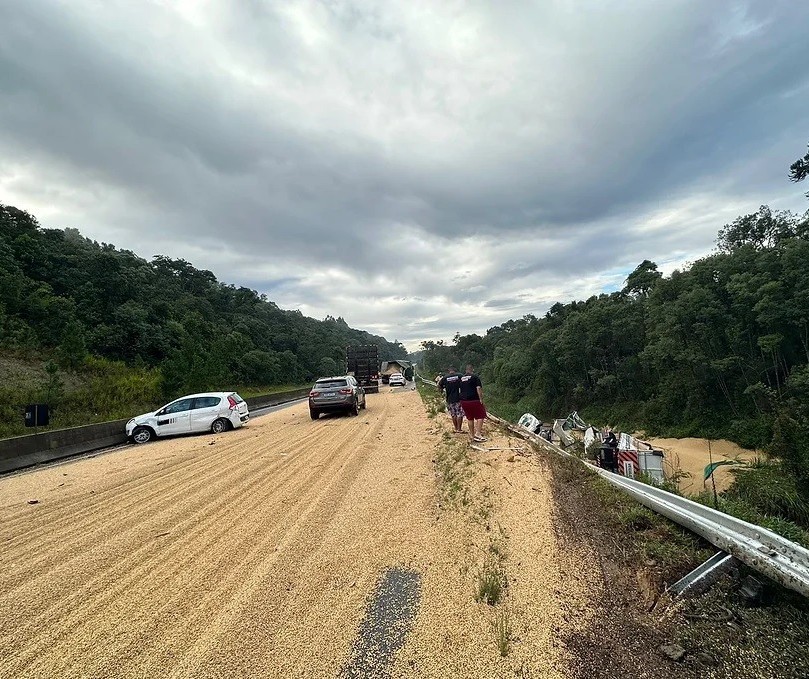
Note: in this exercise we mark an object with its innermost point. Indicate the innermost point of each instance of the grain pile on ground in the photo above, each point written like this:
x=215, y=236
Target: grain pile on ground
x=255, y=553
x=691, y=455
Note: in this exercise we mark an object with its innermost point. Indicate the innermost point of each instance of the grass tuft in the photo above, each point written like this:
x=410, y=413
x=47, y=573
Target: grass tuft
x=503, y=632
x=491, y=583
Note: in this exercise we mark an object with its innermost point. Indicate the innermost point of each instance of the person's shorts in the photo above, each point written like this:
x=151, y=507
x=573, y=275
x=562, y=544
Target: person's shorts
x=454, y=410
x=474, y=410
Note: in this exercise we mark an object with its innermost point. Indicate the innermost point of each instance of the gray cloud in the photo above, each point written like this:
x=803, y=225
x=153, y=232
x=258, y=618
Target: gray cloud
x=415, y=172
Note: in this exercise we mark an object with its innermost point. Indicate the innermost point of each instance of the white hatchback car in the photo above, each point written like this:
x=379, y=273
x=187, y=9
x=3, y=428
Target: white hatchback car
x=215, y=412
x=397, y=380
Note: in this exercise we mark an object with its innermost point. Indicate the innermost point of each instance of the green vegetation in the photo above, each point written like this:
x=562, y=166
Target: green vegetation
x=720, y=350
x=642, y=535
x=491, y=582
x=432, y=397
x=503, y=632
x=453, y=467
x=119, y=334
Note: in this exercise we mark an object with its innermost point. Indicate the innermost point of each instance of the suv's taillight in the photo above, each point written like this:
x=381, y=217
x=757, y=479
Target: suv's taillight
x=345, y=391
x=232, y=403
x=314, y=393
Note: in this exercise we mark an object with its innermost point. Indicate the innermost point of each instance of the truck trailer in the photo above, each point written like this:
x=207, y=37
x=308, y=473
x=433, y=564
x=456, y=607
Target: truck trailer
x=362, y=361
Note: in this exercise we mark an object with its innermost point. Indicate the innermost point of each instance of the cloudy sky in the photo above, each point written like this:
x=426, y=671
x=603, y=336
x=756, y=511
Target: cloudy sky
x=419, y=168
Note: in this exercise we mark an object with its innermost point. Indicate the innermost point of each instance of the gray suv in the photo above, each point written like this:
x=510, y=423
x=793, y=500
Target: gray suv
x=333, y=394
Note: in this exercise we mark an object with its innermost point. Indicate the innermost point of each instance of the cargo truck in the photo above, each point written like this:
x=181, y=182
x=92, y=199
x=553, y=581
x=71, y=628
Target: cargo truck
x=362, y=361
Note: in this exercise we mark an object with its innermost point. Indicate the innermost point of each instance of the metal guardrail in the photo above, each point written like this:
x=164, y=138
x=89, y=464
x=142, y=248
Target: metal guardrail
x=769, y=553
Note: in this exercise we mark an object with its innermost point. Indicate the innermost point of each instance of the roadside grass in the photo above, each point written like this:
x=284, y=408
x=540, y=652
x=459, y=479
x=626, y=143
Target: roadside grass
x=763, y=487
x=503, y=632
x=455, y=472
x=433, y=399
x=746, y=511
x=453, y=469
x=491, y=582
x=646, y=537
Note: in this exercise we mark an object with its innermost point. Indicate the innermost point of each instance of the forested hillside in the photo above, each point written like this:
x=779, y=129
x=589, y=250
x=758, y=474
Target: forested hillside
x=154, y=328
x=719, y=349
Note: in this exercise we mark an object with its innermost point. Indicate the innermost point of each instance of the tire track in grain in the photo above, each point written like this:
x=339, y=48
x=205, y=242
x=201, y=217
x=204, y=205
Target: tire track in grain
x=141, y=505
x=117, y=495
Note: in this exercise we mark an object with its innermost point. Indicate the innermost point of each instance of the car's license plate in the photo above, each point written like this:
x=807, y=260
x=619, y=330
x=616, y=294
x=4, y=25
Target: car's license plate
x=330, y=394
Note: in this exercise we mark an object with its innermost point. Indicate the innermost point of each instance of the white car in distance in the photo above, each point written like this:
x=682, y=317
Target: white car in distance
x=397, y=380
x=215, y=412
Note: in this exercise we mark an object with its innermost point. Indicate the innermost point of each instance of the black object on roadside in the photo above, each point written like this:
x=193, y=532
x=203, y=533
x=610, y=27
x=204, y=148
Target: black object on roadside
x=37, y=415
x=608, y=457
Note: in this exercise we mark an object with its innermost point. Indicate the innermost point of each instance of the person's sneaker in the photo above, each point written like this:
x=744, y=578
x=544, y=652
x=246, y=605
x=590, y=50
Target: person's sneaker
x=480, y=439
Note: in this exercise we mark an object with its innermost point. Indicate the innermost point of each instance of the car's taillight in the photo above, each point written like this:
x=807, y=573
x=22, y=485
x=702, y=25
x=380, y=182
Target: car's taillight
x=232, y=402
x=345, y=391
x=314, y=393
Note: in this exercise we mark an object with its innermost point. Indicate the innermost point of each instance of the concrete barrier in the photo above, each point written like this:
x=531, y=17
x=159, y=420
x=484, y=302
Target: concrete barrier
x=24, y=451
x=256, y=402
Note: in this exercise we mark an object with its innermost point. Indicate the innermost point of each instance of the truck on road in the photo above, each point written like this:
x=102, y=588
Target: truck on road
x=362, y=361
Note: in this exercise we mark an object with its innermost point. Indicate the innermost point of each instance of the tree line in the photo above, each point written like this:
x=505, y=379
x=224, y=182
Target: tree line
x=85, y=305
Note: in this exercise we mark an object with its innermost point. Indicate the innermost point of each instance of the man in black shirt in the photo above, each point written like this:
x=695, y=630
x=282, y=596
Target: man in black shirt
x=450, y=384
x=472, y=404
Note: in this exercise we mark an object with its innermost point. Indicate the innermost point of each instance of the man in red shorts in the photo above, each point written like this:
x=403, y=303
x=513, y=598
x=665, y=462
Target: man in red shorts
x=472, y=404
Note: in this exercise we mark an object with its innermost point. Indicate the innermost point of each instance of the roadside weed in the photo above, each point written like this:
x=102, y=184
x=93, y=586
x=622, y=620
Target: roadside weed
x=502, y=632
x=491, y=583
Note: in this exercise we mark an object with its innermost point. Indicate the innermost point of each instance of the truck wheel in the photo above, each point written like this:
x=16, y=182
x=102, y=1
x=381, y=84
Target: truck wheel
x=142, y=435
x=219, y=426
x=313, y=414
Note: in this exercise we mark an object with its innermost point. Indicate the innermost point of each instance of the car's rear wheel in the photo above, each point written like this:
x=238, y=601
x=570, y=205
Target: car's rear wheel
x=142, y=435
x=219, y=426
x=313, y=414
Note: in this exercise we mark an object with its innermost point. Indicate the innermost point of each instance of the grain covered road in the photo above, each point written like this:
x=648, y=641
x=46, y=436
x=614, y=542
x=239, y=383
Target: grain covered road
x=258, y=553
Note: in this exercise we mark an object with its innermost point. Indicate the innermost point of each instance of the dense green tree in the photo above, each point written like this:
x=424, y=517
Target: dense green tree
x=799, y=170
x=73, y=349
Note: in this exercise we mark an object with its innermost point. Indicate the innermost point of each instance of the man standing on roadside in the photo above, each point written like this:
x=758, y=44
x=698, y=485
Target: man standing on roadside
x=450, y=384
x=472, y=404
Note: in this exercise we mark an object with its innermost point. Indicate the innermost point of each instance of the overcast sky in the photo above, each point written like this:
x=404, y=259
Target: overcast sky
x=419, y=168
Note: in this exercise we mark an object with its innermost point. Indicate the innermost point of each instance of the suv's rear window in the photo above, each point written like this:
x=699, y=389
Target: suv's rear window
x=330, y=384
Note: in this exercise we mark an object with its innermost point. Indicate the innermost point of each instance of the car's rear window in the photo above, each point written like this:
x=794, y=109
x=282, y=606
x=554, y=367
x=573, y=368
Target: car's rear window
x=330, y=384
x=236, y=397
x=206, y=402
